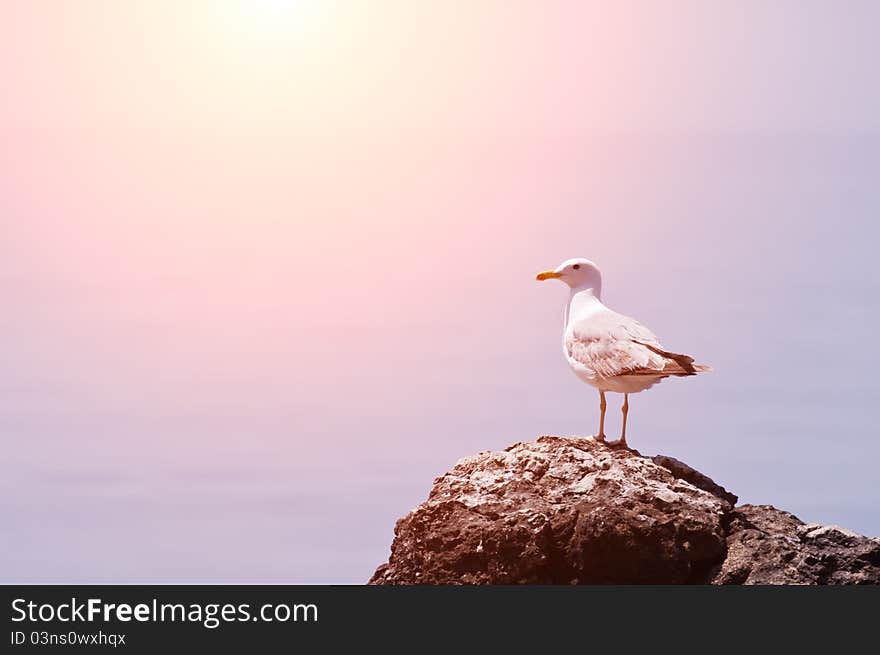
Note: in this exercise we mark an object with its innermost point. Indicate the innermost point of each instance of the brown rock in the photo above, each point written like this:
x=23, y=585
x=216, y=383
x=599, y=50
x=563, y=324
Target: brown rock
x=574, y=511
x=766, y=545
x=558, y=511
x=701, y=481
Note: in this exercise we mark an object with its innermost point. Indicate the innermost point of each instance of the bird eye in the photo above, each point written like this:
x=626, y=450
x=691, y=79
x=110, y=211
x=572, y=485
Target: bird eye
x=576, y=266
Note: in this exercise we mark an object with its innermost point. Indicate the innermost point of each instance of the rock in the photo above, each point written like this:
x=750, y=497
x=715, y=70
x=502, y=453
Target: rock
x=558, y=511
x=766, y=545
x=575, y=511
x=681, y=470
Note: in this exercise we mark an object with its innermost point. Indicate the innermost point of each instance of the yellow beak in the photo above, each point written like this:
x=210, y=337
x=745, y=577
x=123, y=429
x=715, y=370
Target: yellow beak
x=548, y=275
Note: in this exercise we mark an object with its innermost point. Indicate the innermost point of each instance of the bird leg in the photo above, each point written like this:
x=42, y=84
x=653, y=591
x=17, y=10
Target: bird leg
x=625, y=410
x=602, y=406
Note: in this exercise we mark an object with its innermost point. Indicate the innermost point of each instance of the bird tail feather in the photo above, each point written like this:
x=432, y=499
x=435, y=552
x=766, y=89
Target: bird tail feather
x=686, y=362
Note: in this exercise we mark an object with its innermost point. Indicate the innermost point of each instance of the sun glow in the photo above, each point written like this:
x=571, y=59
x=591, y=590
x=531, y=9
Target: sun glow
x=227, y=61
x=273, y=10
x=273, y=6
x=270, y=16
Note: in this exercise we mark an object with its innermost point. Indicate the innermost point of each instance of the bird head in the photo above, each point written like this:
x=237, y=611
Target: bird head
x=578, y=273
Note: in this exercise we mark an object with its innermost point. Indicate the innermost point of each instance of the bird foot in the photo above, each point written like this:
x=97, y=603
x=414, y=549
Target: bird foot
x=620, y=443
x=599, y=437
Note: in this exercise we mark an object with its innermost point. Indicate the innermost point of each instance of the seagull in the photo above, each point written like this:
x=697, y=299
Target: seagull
x=610, y=351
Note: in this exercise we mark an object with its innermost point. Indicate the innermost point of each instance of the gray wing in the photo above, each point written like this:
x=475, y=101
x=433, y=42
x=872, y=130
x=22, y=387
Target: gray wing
x=611, y=344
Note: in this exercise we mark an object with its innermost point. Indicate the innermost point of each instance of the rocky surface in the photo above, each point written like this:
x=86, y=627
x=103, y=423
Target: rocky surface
x=766, y=545
x=574, y=511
